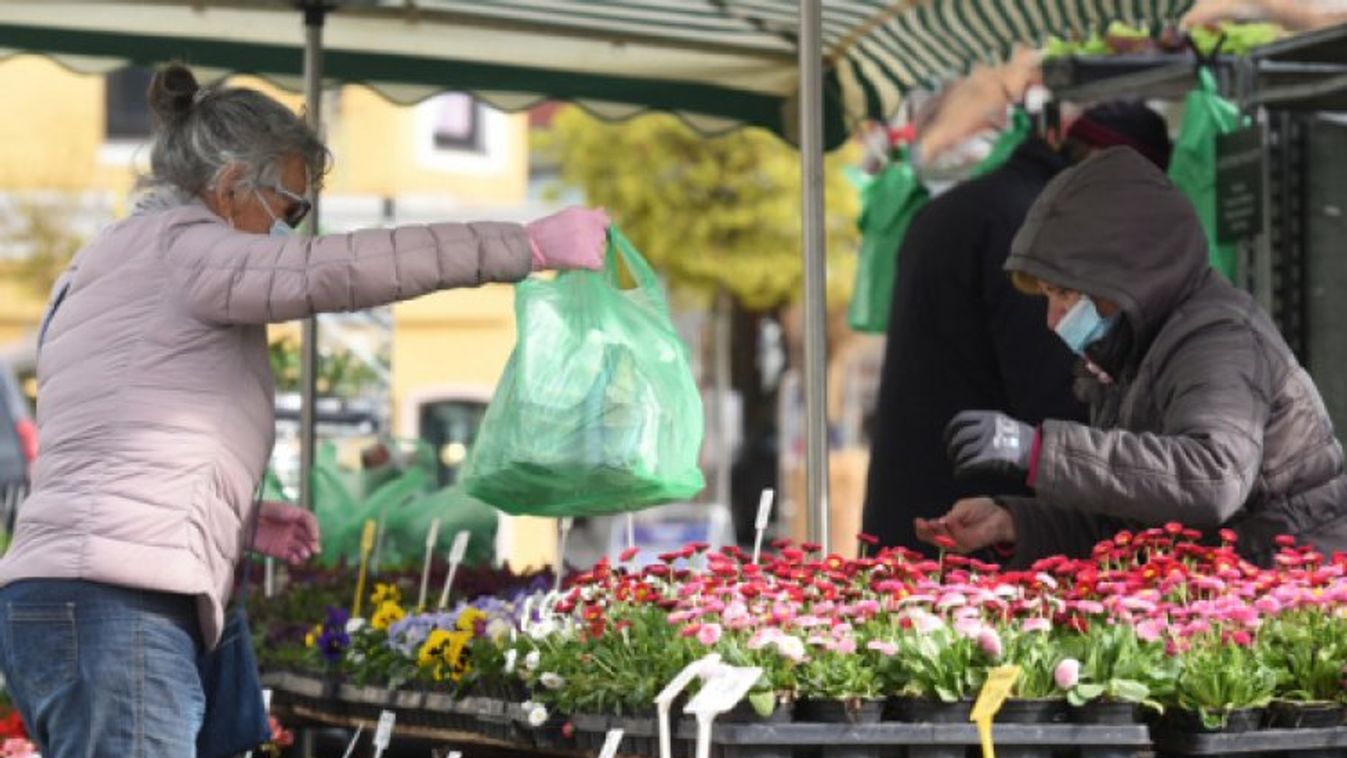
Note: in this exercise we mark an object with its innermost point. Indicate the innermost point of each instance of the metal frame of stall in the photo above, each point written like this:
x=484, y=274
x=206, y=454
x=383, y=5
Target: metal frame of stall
x=1282, y=85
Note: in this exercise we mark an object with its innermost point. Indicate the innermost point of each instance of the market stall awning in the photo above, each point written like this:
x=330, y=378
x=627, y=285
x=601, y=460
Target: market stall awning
x=717, y=63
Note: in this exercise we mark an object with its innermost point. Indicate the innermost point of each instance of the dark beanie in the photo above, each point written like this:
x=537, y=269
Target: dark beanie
x=1125, y=122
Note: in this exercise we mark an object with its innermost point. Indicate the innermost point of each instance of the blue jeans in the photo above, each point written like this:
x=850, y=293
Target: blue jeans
x=97, y=670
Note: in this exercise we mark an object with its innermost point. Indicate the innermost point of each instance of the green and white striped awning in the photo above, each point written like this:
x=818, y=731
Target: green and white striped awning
x=717, y=63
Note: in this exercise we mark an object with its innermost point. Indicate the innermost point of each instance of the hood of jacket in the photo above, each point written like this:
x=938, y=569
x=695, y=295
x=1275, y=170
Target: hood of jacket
x=1116, y=228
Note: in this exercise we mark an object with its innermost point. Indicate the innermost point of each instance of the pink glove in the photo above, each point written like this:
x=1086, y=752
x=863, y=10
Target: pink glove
x=573, y=238
x=287, y=532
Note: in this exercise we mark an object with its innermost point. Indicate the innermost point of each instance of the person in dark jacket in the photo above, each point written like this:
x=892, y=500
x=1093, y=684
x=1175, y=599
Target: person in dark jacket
x=1199, y=412
x=961, y=337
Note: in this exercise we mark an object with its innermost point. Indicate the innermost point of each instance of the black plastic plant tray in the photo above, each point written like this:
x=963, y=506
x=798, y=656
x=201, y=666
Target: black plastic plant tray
x=1329, y=741
x=896, y=733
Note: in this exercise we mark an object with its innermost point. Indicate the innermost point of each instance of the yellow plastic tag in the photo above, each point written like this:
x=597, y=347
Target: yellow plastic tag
x=367, y=537
x=366, y=546
x=994, y=692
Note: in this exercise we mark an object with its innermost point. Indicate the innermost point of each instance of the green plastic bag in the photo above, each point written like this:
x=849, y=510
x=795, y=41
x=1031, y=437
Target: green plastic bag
x=404, y=536
x=400, y=498
x=1206, y=116
x=1021, y=126
x=889, y=202
x=597, y=411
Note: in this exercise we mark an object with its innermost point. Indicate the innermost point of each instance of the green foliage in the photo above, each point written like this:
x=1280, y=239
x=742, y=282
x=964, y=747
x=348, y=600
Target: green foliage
x=1219, y=677
x=942, y=664
x=340, y=372
x=1037, y=654
x=42, y=231
x=707, y=212
x=1116, y=665
x=1308, y=652
x=613, y=673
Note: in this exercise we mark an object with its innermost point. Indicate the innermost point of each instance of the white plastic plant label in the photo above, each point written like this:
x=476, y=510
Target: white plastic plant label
x=611, y=743
x=724, y=691
x=764, y=518
x=456, y=552
x=676, y=685
x=383, y=733
x=683, y=678
x=765, y=509
x=460, y=546
x=433, y=535
x=560, y=566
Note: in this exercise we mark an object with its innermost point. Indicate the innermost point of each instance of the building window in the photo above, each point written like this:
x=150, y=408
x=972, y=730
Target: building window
x=127, y=113
x=456, y=133
x=456, y=122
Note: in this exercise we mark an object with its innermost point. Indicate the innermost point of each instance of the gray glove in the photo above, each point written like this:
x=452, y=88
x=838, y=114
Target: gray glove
x=988, y=442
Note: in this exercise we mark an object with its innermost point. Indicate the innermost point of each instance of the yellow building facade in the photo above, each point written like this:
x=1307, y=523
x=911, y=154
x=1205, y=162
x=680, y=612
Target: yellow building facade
x=445, y=159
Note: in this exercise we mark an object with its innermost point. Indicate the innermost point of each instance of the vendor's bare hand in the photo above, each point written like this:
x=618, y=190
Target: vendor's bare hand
x=287, y=532
x=973, y=523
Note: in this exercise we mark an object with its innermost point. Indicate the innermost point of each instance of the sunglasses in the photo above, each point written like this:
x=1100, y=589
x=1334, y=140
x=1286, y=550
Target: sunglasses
x=299, y=205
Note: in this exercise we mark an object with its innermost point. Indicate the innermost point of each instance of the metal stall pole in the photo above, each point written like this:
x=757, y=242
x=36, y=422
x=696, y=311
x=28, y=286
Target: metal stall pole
x=815, y=270
x=315, y=13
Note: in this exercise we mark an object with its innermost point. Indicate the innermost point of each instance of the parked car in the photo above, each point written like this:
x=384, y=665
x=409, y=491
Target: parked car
x=18, y=445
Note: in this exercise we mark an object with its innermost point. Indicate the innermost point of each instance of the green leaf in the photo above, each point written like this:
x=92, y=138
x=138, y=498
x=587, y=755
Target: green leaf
x=1087, y=692
x=763, y=702
x=1129, y=690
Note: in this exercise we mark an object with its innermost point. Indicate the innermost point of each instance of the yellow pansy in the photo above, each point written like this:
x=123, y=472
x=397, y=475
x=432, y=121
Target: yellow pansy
x=442, y=653
x=387, y=612
x=467, y=620
x=311, y=638
x=385, y=593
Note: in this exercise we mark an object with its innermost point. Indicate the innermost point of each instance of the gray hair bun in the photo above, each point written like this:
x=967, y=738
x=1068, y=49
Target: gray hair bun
x=173, y=92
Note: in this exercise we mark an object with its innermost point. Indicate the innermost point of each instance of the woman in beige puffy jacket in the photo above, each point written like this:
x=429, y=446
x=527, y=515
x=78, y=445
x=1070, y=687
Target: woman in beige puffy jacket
x=155, y=409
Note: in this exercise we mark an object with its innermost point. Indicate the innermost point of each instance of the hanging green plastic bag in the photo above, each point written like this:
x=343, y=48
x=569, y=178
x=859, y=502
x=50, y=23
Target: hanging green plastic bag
x=597, y=411
x=1206, y=116
x=1021, y=126
x=889, y=202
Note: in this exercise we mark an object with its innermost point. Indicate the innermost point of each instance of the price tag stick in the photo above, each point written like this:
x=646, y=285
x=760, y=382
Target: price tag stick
x=566, y=524
x=764, y=517
x=456, y=553
x=994, y=692
x=704, y=720
x=432, y=537
x=664, y=699
x=611, y=743
x=268, y=577
x=355, y=738
x=366, y=545
x=378, y=544
x=631, y=531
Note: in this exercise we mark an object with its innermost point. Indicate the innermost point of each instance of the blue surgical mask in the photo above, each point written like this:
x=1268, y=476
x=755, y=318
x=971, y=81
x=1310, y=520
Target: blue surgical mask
x=1082, y=326
x=279, y=226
